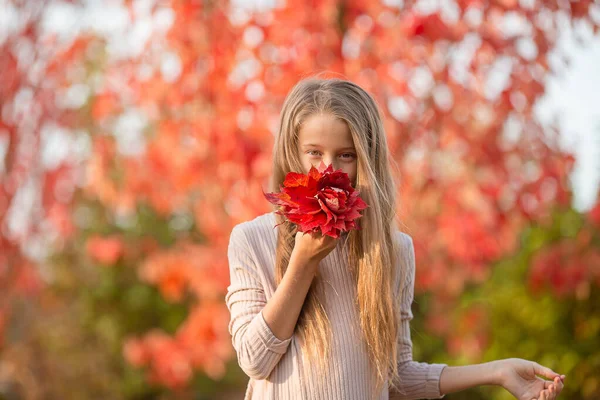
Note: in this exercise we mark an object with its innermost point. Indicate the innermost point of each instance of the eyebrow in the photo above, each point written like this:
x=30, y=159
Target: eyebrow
x=317, y=146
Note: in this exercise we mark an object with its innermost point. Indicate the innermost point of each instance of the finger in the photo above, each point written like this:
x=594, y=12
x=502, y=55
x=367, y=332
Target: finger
x=559, y=386
x=542, y=395
x=544, y=371
x=557, y=383
x=551, y=391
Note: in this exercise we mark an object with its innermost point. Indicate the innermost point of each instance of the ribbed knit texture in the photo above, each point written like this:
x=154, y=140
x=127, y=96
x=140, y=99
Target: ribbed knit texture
x=276, y=367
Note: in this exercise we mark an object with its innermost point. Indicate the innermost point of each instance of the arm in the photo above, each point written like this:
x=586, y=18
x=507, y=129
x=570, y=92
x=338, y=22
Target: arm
x=518, y=376
x=283, y=309
x=421, y=380
x=261, y=331
x=455, y=379
x=417, y=380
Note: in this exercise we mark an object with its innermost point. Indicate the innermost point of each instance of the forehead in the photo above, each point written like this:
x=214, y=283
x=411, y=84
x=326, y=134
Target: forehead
x=325, y=130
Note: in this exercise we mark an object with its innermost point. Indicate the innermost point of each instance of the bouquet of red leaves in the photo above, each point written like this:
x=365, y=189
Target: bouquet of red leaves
x=322, y=200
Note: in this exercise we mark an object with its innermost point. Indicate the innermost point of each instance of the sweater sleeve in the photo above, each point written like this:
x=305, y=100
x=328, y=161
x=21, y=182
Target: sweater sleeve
x=258, y=349
x=417, y=380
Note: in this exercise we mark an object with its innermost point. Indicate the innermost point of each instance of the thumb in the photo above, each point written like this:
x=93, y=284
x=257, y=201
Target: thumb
x=543, y=371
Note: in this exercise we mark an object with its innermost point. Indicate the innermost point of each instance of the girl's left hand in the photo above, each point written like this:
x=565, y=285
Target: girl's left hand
x=518, y=376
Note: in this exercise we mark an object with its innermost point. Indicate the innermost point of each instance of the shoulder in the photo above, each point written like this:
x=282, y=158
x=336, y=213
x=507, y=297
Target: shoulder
x=254, y=231
x=406, y=248
x=404, y=239
x=252, y=243
x=259, y=225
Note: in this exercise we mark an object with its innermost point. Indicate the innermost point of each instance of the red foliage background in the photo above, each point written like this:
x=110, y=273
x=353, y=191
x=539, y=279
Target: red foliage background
x=474, y=164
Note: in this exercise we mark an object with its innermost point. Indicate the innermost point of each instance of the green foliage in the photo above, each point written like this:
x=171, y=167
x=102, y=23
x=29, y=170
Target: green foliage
x=110, y=304
x=560, y=333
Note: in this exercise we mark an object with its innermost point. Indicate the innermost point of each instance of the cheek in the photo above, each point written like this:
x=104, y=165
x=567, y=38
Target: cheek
x=306, y=163
x=351, y=171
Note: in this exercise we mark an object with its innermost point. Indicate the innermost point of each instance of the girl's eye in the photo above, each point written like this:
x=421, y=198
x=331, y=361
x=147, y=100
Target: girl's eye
x=345, y=156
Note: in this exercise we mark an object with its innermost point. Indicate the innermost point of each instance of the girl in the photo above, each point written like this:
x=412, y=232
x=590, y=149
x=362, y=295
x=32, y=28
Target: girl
x=314, y=317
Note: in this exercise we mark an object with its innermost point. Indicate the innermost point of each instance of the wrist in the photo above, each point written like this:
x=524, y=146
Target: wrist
x=306, y=264
x=495, y=372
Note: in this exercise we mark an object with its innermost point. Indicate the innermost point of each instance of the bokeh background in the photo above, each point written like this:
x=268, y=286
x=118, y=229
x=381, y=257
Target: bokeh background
x=135, y=134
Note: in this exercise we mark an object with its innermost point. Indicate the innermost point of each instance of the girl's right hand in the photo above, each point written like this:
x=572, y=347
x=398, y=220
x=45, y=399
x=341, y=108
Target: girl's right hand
x=313, y=247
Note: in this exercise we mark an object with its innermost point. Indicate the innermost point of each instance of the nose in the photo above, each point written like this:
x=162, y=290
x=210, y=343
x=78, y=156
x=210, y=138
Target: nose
x=331, y=160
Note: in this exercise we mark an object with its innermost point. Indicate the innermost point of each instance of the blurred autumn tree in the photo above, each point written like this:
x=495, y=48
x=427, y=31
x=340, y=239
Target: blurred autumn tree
x=37, y=180
x=179, y=139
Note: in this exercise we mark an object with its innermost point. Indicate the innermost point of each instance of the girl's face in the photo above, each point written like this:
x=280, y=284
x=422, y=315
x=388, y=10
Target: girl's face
x=323, y=137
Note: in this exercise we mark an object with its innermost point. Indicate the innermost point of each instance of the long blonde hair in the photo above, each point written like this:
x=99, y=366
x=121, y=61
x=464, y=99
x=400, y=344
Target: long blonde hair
x=372, y=250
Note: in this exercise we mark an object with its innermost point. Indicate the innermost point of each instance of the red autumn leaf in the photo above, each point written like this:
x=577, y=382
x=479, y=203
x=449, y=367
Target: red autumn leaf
x=324, y=200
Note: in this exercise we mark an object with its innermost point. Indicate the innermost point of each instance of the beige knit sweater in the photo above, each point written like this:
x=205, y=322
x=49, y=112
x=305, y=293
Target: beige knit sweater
x=276, y=367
